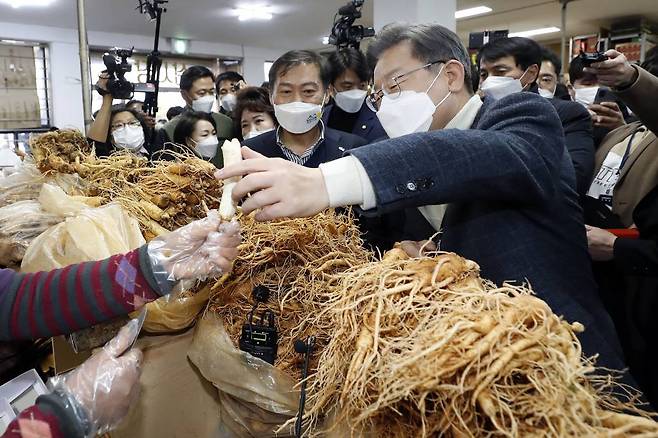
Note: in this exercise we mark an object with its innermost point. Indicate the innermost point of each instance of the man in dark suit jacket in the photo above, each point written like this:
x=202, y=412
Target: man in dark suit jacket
x=299, y=79
x=349, y=76
x=502, y=170
x=522, y=58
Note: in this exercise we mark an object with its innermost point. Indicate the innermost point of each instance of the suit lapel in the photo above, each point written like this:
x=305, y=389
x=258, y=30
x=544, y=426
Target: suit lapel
x=611, y=141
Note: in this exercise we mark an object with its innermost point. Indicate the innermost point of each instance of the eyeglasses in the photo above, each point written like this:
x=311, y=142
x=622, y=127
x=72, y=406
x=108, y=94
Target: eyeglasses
x=374, y=97
x=134, y=124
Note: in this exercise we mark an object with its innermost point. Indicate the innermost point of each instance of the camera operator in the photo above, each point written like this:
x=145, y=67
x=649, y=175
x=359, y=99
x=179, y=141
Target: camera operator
x=117, y=127
x=197, y=87
x=349, y=75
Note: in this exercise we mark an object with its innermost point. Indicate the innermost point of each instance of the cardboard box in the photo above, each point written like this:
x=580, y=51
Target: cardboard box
x=175, y=401
x=18, y=394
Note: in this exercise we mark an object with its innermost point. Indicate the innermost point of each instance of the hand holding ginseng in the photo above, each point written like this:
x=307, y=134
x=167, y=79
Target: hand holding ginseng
x=279, y=188
x=204, y=248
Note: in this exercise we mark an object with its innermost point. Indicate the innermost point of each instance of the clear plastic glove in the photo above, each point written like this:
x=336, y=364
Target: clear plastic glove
x=202, y=249
x=107, y=384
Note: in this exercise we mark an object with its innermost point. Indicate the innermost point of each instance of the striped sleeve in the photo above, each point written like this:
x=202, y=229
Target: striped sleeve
x=47, y=304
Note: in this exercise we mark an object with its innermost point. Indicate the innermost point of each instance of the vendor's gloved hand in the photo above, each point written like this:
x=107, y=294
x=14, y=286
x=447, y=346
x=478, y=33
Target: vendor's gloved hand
x=107, y=384
x=615, y=72
x=201, y=249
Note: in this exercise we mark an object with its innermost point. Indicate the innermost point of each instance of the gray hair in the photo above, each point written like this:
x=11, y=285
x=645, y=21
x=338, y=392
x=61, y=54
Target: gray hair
x=429, y=43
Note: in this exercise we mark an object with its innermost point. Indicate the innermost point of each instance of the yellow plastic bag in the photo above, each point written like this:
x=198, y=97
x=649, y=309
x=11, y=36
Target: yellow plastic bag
x=178, y=312
x=256, y=398
x=87, y=234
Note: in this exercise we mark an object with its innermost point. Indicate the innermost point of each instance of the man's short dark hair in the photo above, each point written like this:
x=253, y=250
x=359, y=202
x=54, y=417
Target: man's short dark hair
x=525, y=51
x=576, y=69
x=341, y=60
x=174, y=111
x=194, y=73
x=551, y=56
x=294, y=58
x=232, y=76
x=429, y=43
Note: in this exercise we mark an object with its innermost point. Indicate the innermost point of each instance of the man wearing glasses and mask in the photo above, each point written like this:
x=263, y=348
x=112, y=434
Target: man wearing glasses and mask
x=494, y=176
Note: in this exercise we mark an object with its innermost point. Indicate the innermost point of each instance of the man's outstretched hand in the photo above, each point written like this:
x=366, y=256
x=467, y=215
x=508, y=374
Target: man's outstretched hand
x=277, y=187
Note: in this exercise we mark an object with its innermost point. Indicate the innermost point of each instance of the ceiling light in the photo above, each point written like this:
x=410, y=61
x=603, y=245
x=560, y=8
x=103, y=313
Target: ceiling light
x=180, y=46
x=20, y=3
x=254, y=13
x=325, y=40
x=478, y=10
x=534, y=32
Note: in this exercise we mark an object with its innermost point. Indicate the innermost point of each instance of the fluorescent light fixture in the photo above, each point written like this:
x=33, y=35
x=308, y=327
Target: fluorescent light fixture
x=21, y=3
x=325, y=40
x=535, y=32
x=246, y=13
x=180, y=46
x=478, y=10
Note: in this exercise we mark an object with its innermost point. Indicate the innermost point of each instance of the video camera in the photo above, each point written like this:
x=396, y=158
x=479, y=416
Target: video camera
x=344, y=33
x=117, y=65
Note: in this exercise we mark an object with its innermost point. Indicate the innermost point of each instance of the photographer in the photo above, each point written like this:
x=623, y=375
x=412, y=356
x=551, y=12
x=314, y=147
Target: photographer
x=138, y=106
x=117, y=128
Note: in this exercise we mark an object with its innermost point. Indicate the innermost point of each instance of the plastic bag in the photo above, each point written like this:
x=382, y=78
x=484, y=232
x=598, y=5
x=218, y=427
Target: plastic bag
x=175, y=312
x=20, y=224
x=25, y=184
x=91, y=234
x=257, y=398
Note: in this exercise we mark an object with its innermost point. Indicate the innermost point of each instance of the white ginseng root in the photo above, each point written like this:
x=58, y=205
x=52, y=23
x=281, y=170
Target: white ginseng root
x=231, y=150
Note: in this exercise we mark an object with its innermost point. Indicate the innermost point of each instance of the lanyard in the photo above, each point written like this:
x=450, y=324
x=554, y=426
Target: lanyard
x=627, y=153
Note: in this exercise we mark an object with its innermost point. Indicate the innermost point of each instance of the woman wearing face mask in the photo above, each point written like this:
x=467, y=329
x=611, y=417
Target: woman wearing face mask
x=197, y=132
x=117, y=128
x=253, y=113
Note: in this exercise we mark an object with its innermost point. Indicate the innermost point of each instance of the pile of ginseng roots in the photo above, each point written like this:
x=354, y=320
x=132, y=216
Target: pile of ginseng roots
x=161, y=195
x=293, y=259
x=424, y=347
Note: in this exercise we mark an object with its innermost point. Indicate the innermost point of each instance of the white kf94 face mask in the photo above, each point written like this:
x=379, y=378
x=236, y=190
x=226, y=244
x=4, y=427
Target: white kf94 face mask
x=203, y=104
x=350, y=101
x=548, y=94
x=129, y=137
x=256, y=133
x=298, y=117
x=409, y=112
x=586, y=96
x=228, y=102
x=207, y=147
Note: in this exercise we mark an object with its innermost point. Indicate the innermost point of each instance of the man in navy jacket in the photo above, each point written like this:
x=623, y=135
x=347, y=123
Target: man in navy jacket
x=299, y=81
x=495, y=177
x=349, y=75
x=521, y=58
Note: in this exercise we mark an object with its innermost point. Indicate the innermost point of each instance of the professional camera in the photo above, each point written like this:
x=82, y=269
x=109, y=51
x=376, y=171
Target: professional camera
x=117, y=65
x=344, y=33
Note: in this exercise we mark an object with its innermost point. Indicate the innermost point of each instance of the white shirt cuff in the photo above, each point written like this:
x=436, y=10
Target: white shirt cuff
x=348, y=183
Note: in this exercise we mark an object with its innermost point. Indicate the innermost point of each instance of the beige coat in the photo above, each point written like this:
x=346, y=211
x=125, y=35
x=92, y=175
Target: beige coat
x=640, y=173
